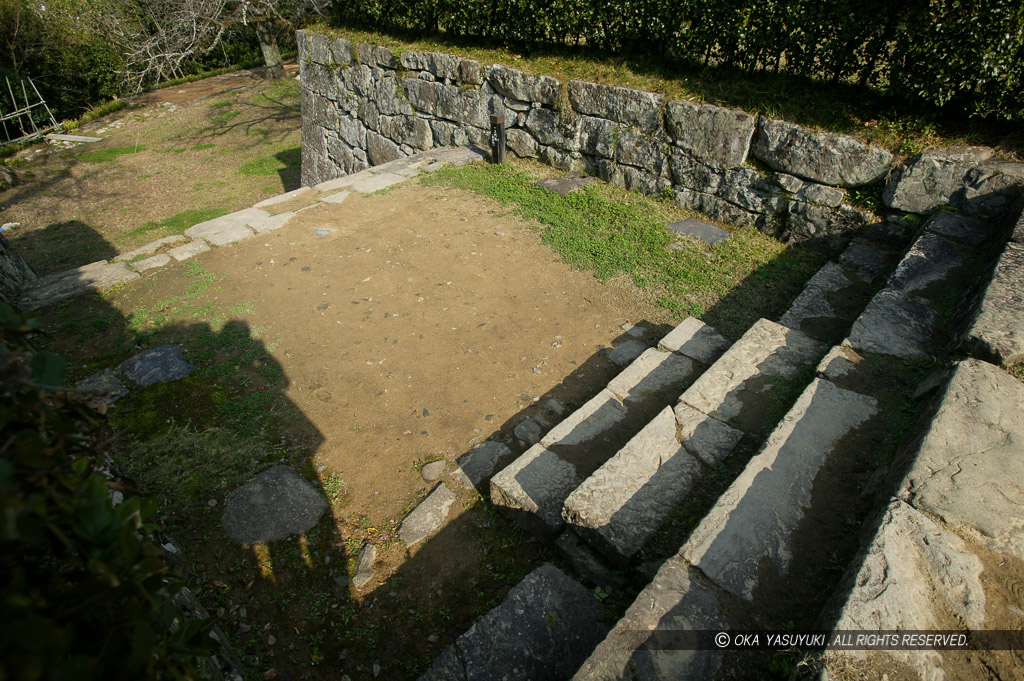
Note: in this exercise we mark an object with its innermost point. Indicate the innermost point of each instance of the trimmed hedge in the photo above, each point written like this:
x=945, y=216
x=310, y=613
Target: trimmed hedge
x=961, y=55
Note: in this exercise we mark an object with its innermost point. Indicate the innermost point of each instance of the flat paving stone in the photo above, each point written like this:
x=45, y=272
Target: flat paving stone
x=912, y=574
x=479, y=463
x=646, y=644
x=565, y=185
x=894, y=324
x=271, y=506
x=997, y=332
x=970, y=464
x=229, y=235
x=342, y=182
x=295, y=194
x=756, y=517
x=729, y=390
x=162, y=364
x=269, y=223
x=458, y=156
x=532, y=488
x=700, y=230
x=376, y=182
x=623, y=502
x=653, y=372
x=150, y=263
x=542, y=631
x=54, y=288
x=428, y=516
x=225, y=222
x=105, y=382
x=337, y=197
x=696, y=340
x=364, y=566
x=189, y=250
x=151, y=247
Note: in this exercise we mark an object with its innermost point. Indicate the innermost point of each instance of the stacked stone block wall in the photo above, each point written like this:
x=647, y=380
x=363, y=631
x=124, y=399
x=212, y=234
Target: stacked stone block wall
x=364, y=105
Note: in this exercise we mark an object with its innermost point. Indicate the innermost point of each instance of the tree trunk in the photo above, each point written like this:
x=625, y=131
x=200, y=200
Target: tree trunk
x=271, y=55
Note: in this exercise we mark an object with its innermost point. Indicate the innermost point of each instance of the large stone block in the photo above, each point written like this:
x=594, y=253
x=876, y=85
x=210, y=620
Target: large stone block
x=718, y=137
x=823, y=157
x=653, y=372
x=756, y=519
x=695, y=339
x=971, y=460
x=423, y=95
x=439, y=65
x=522, y=143
x=342, y=52
x=693, y=174
x=542, y=631
x=588, y=422
x=407, y=130
x=532, y=489
x=631, y=107
x=380, y=149
x=597, y=136
x=389, y=99
x=319, y=50
x=551, y=128
x=523, y=87
x=647, y=151
x=375, y=55
x=997, y=332
x=894, y=324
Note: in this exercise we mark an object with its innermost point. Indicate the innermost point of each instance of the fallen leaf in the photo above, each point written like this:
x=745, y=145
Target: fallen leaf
x=376, y=669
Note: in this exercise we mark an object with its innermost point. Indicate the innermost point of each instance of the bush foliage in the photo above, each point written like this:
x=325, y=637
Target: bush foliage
x=957, y=54
x=84, y=591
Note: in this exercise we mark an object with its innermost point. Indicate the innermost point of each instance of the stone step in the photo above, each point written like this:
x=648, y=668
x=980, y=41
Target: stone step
x=957, y=515
x=54, y=288
x=902, y=318
x=533, y=488
x=543, y=630
x=744, y=387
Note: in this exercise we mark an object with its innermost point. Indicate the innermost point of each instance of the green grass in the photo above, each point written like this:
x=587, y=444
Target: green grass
x=1017, y=371
x=176, y=224
x=109, y=154
x=730, y=285
x=287, y=159
x=98, y=111
x=203, y=147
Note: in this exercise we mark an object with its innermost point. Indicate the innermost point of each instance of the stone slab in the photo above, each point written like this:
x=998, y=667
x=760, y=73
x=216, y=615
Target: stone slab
x=640, y=648
x=653, y=372
x=812, y=303
x=840, y=362
x=532, y=488
x=970, y=464
x=54, y=288
x=929, y=262
x=295, y=194
x=586, y=562
x=273, y=505
x=962, y=228
x=756, y=518
x=228, y=222
x=189, y=250
x=375, y=183
x=767, y=350
x=627, y=352
x=911, y=574
x=564, y=186
x=997, y=332
x=894, y=324
x=161, y=364
x=105, y=382
x=700, y=230
x=229, y=235
x=342, y=182
x=479, y=463
x=542, y=631
x=151, y=247
x=335, y=198
x=705, y=437
x=82, y=139
x=824, y=157
x=150, y=263
x=697, y=340
x=364, y=566
x=528, y=431
x=428, y=516
x=870, y=261
x=460, y=155
x=588, y=422
x=269, y=223
x=624, y=501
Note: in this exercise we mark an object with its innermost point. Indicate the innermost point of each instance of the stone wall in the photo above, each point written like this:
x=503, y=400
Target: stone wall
x=363, y=105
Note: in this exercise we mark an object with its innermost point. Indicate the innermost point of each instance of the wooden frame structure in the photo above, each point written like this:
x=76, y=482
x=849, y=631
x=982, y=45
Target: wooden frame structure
x=21, y=114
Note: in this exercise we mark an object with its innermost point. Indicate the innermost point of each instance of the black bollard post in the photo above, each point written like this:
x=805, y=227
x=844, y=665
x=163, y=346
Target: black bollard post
x=497, y=139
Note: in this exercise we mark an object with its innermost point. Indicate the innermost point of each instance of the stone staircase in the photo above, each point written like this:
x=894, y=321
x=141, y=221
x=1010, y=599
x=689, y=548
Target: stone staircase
x=605, y=479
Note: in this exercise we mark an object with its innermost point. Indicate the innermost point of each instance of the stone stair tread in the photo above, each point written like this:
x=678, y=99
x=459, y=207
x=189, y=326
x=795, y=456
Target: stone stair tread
x=962, y=228
x=543, y=630
x=812, y=307
x=675, y=602
x=765, y=352
x=894, y=324
x=532, y=488
x=870, y=261
x=589, y=421
x=649, y=373
x=997, y=331
x=54, y=288
x=756, y=517
x=696, y=340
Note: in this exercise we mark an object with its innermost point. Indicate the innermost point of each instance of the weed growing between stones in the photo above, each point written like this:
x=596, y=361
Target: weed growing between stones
x=1017, y=371
x=730, y=285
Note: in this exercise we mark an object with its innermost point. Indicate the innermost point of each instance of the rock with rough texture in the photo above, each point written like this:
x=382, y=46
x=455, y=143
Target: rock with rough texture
x=364, y=566
x=542, y=631
x=931, y=260
x=432, y=472
x=967, y=178
x=162, y=364
x=54, y=288
x=427, y=517
x=695, y=339
x=150, y=263
x=523, y=87
x=894, y=324
x=971, y=460
x=532, y=488
x=962, y=228
x=912, y=574
x=632, y=107
x=756, y=518
x=997, y=332
x=528, y=431
x=831, y=227
x=823, y=157
x=106, y=383
x=706, y=438
x=812, y=312
x=479, y=463
x=641, y=648
x=271, y=506
x=700, y=230
x=376, y=182
x=15, y=273
x=565, y=185
x=150, y=248
x=588, y=422
x=522, y=143
x=732, y=388
x=718, y=137
x=654, y=372
x=624, y=501
x=586, y=562
x=439, y=65
x=189, y=250
x=870, y=261
x=627, y=352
